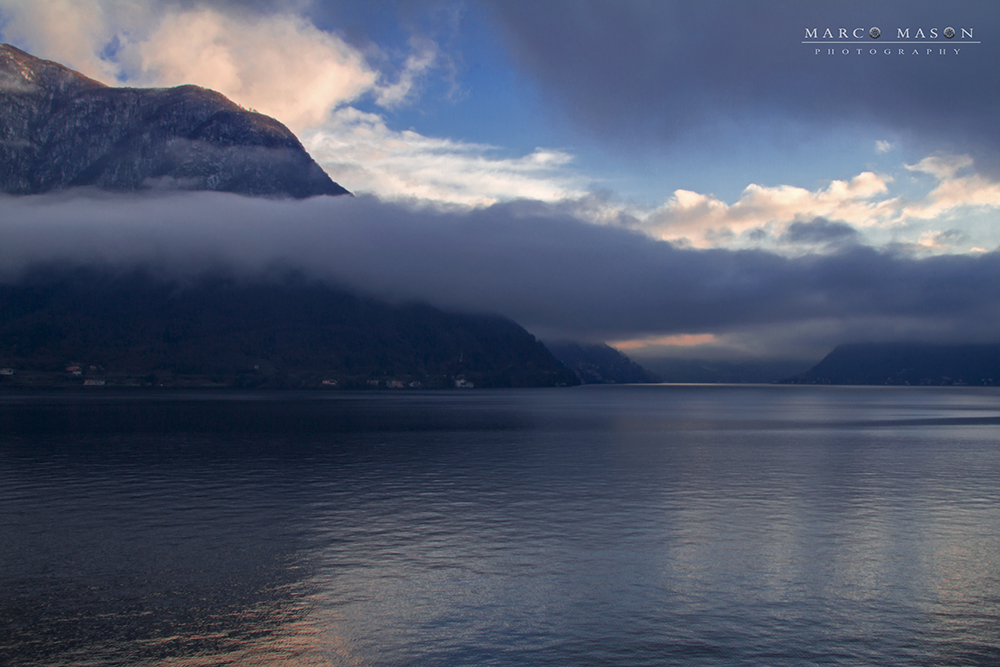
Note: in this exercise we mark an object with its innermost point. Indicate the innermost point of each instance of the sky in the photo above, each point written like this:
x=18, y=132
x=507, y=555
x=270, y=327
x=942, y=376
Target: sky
x=716, y=178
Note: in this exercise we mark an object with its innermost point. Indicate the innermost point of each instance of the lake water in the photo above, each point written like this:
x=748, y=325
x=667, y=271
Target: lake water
x=621, y=525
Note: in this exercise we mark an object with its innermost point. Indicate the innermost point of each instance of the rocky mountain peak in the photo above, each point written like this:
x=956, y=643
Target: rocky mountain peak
x=60, y=129
x=24, y=73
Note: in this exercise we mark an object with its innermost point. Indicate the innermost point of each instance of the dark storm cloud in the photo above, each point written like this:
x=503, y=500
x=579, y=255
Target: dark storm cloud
x=554, y=274
x=636, y=70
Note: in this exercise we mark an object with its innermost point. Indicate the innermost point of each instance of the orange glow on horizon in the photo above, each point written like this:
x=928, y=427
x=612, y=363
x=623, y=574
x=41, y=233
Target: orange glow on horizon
x=682, y=340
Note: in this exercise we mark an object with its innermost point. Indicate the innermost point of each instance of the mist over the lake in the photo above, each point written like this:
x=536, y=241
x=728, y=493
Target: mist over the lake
x=537, y=263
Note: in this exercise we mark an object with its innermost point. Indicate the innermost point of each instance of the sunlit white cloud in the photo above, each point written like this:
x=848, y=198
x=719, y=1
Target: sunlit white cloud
x=935, y=239
x=423, y=57
x=953, y=191
x=72, y=32
x=704, y=220
x=942, y=166
x=282, y=66
x=358, y=148
x=863, y=209
x=883, y=146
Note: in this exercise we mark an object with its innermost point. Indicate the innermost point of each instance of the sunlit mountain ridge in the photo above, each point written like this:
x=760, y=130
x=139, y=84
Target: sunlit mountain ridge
x=60, y=129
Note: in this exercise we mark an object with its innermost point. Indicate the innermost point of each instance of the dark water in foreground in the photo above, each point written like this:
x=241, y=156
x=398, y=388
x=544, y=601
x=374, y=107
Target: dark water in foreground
x=650, y=525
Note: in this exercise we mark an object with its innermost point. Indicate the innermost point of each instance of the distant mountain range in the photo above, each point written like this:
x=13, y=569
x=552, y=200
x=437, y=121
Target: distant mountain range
x=906, y=364
x=59, y=129
x=67, y=327
x=599, y=364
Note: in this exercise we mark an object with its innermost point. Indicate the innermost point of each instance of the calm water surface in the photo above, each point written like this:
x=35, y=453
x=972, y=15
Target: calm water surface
x=629, y=525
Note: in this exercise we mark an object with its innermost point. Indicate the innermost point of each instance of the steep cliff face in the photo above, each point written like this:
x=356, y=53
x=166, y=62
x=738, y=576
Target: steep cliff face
x=60, y=129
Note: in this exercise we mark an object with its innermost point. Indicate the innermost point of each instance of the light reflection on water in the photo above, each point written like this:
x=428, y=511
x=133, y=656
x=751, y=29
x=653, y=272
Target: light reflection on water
x=599, y=525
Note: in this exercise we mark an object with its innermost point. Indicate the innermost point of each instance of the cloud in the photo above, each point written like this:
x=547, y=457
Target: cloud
x=705, y=221
x=883, y=146
x=424, y=55
x=536, y=263
x=646, y=74
x=67, y=31
x=953, y=192
x=820, y=232
x=358, y=148
x=862, y=210
x=942, y=166
x=282, y=66
x=947, y=239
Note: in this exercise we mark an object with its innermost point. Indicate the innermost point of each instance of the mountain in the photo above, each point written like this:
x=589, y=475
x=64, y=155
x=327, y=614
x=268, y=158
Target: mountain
x=906, y=364
x=66, y=326
x=59, y=129
x=599, y=364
